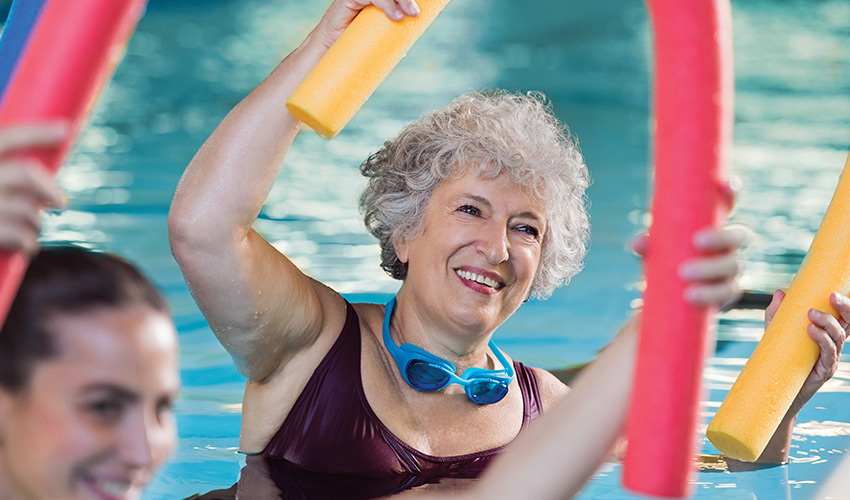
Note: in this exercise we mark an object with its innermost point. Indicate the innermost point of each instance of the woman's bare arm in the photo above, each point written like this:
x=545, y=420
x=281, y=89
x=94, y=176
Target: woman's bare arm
x=260, y=305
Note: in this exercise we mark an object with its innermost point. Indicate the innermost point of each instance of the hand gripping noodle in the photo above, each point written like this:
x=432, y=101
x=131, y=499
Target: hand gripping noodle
x=786, y=354
x=56, y=57
x=693, y=120
x=355, y=65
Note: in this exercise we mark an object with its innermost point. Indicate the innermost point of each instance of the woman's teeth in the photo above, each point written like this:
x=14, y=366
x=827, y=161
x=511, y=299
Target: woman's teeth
x=478, y=278
x=116, y=488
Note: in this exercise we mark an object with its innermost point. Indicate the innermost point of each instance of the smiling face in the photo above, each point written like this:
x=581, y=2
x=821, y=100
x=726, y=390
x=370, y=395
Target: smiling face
x=473, y=264
x=94, y=421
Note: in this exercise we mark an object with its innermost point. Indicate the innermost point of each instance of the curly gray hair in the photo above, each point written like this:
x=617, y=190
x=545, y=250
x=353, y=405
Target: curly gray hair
x=502, y=132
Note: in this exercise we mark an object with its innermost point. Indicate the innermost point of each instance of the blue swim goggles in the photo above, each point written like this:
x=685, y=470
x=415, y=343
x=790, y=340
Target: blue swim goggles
x=426, y=372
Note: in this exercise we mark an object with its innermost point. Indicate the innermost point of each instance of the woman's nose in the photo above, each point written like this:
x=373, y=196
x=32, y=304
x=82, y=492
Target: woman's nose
x=146, y=441
x=493, y=243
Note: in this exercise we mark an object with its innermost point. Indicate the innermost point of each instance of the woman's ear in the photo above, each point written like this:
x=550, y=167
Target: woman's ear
x=401, y=248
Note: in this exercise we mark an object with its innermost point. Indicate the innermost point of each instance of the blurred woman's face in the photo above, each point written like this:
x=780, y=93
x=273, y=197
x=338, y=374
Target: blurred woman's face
x=95, y=421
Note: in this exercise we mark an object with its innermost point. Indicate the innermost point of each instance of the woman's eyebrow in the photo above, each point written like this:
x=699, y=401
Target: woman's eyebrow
x=530, y=215
x=485, y=203
x=112, y=390
x=477, y=199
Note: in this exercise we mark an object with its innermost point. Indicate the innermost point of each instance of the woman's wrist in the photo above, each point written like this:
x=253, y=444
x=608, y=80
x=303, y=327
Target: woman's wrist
x=331, y=26
x=320, y=39
x=779, y=446
x=794, y=409
x=315, y=44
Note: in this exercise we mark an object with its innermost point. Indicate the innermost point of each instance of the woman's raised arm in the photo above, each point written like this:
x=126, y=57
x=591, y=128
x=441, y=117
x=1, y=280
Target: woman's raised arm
x=261, y=307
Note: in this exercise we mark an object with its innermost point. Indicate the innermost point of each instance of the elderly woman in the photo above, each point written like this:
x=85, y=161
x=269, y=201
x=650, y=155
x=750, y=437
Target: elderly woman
x=477, y=207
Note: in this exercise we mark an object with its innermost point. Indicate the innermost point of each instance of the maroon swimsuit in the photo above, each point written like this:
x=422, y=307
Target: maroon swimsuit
x=332, y=445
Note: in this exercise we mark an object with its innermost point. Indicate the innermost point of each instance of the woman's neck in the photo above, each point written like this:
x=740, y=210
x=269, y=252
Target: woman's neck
x=416, y=326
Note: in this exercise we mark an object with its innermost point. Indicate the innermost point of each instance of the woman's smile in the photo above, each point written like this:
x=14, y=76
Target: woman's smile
x=478, y=252
x=480, y=280
x=112, y=488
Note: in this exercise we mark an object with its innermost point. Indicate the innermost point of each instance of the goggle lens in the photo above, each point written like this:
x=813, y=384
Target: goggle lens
x=425, y=376
x=429, y=377
x=487, y=391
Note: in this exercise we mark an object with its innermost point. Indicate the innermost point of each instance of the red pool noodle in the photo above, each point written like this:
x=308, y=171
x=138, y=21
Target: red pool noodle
x=70, y=55
x=693, y=120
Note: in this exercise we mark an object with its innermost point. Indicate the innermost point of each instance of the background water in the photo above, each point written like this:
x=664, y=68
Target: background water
x=191, y=60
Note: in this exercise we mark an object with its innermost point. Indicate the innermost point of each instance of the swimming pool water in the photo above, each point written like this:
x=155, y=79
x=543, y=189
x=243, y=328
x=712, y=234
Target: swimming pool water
x=190, y=61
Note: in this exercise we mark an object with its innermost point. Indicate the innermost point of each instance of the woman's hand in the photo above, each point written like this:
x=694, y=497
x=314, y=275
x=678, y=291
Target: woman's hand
x=712, y=277
x=25, y=186
x=830, y=334
x=340, y=14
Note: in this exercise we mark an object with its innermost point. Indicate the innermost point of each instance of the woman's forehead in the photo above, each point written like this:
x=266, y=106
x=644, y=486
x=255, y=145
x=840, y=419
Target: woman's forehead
x=111, y=326
x=113, y=345
x=498, y=189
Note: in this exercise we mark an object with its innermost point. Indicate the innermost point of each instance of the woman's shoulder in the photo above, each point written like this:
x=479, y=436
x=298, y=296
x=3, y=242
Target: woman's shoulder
x=371, y=317
x=551, y=389
x=369, y=311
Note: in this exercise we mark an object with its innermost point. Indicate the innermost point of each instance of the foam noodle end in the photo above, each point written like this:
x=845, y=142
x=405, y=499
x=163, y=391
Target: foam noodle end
x=731, y=446
x=324, y=129
x=355, y=65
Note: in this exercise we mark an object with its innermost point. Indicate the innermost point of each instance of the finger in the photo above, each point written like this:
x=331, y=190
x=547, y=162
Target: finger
x=20, y=211
x=27, y=178
x=640, y=245
x=721, y=267
x=409, y=7
x=841, y=303
x=715, y=294
x=338, y=16
x=771, y=309
x=729, y=191
x=828, y=324
x=27, y=136
x=18, y=238
x=390, y=8
x=825, y=366
x=828, y=358
x=20, y=223
x=726, y=239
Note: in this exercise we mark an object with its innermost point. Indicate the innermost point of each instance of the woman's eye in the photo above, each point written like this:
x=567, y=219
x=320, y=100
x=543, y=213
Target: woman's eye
x=470, y=209
x=164, y=407
x=530, y=230
x=105, y=411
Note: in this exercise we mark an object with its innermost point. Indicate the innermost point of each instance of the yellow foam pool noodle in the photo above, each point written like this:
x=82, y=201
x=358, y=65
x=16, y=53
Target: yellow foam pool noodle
x=780, y=363
x=355, y=65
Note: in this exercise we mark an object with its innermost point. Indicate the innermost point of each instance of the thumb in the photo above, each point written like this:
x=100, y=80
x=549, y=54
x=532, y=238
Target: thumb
x=771, y=309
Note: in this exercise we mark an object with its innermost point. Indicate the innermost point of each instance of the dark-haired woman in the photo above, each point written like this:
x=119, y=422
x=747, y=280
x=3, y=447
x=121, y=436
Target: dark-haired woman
x=88, y=356
x=88, y=375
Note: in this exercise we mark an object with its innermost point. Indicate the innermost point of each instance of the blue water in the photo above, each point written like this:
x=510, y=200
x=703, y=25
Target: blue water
x=191, y=60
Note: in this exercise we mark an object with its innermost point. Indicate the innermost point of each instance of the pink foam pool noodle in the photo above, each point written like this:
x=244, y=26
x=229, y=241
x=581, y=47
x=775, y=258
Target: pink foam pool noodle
x=70, y=53
x=693, y=121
